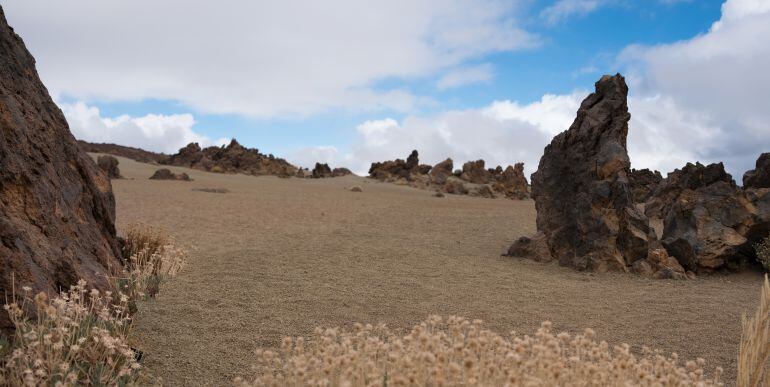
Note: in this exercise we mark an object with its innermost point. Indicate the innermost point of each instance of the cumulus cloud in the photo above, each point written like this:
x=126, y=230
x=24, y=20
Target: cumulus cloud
x=153, y=132
x=259, y=58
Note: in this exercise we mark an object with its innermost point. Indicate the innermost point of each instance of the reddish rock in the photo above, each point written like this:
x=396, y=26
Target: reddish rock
x=581, y=189
x=474, y=172
x=57, y=211
x=441, y=171
x=109, y=165
x=511, y=182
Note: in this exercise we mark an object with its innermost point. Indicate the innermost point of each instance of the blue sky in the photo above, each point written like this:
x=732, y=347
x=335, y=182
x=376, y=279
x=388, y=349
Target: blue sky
x=350, y=84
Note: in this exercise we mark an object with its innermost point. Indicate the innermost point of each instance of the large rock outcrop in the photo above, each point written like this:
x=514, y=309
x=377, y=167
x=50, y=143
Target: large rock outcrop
x=57, y=211
x=109, y=165
x=511, y=182
x=643, y=183
x=760, y=176
x=233, y=158
x=692, y=177
x=321, y=170
x=585, y=214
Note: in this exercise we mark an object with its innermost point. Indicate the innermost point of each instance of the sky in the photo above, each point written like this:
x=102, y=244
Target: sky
x=352, y=82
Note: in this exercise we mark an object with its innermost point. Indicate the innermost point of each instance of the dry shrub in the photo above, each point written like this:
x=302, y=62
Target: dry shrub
x=76, y=338
x=763, y=252
x=755, y=344
x=456, y=352
x=151, y=257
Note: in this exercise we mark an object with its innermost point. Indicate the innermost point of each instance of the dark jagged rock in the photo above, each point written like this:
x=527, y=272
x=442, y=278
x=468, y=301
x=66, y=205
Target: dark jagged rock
x=584, y=208
x=511, y=182
x=643, y=183
x=397, y=169
x=338, y=172
x=57, y=211
x=692, y=176
x=109, y=165
x=233, y=158
x=166, y=174
x=128, y=152
x=321, y=171
x=760, y=176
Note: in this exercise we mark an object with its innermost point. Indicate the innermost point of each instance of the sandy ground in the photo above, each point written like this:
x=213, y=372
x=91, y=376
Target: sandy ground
x=278, y=257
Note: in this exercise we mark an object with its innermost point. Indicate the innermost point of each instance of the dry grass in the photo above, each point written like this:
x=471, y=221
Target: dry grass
x=755, y=344
x=77, y=338
x=80, y=337
x=457, y=352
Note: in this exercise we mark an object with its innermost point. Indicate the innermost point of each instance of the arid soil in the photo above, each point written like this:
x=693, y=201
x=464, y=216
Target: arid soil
x=276, y=257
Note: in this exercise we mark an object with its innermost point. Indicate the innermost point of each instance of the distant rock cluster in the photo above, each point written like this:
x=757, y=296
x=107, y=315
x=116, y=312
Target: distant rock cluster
x=474, y=179
x=594, y=211
x=323, y=171
x=128, y=152
x=166, y=174
x=233, y=158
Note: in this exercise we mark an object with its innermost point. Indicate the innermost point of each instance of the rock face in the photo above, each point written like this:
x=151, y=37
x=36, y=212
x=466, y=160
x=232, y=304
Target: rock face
x=760, y=176
x=473, y=180
x=233, y=158
x=166, y=174
x=692, y=176
x=585, y=214
x=643, y=183
x=109, y=165
x=57, y=211
x=128, y=152
x=338, y=172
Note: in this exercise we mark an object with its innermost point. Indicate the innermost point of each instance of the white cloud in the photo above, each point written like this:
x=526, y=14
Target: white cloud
x=158, y=133
x=259, y=58
x=564, y=9
x=717, y=81
x=465, y=76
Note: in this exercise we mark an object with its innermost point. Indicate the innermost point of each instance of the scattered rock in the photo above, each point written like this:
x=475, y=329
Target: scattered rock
x=439, y=195
x=356, y=188
x=57, y=210
x=166, y=174
x=643, y=183
x=212, y=190
x=441, y=172
x=585, y=215
x=109, y=165
x=233, y=158
x=474, y=172
x=760, y=176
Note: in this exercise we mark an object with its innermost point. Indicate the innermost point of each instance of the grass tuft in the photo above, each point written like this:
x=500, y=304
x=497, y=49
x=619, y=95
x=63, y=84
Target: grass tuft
x=754, y=349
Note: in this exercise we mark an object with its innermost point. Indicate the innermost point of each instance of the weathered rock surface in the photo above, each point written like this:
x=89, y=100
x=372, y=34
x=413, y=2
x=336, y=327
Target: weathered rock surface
x=128, y=152
x=585, y=214
x=57, y=211
x=166, y=174
x=109, y=165
x=233, y=158
x=338, y=172
x=643, y=183
x=692, y=176
x=473, y=180
x=760, y=176
x=321, y=171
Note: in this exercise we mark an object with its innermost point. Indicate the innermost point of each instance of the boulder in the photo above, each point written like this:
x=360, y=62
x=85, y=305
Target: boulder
x=760, y=176
x=692, y=176
x=585, y=212
x=393, y=171
x=643, y=183
x=109, y=165
x=166, y=174
x=57, y=210
x=338, y=172
x=441, y=171
x=321, y=171
x=474, y=172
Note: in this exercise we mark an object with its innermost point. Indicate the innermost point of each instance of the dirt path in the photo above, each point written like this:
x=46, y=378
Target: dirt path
x=278, y=257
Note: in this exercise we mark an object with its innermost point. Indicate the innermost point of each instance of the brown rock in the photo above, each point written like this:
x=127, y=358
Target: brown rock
x=535, y=248
x=692, y=176
x=643, y=183
x=356, y=188
x=441, y=171
x=166, y=174
x=760, y=176
x=474, y=172
x=393, y=171
x=322, y=171
x=128, y=152
x=233, y=158
x=512, y=182
x=57, y=211
x=109, y=165
x=581, y=188
x=338, y=172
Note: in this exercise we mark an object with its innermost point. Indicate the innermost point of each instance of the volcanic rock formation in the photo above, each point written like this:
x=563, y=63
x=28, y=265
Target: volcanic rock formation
x=233, y=158
x=760, y=176
x=585, y=214
x=109, y=165
x=321, y=171
x=166, y=174
x=473, y=180
x=128, y=152
x=57, y=211
x=643, y=183
x=692, y=176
